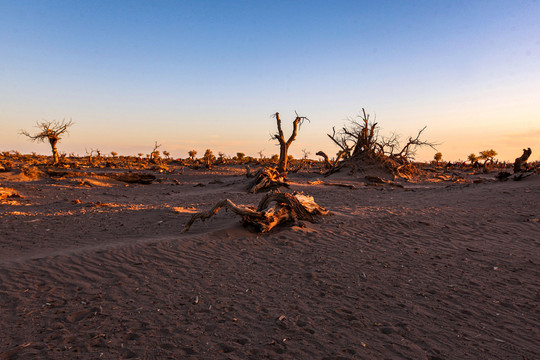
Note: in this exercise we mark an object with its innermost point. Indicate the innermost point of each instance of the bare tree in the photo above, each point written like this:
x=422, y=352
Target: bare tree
x=360, y=142
x=155, y=154
x=284, y=145
x=51, y=131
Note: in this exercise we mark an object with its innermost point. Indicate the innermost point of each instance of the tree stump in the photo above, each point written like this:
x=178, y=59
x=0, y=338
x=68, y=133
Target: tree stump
x=520, y=161
x=266, y=179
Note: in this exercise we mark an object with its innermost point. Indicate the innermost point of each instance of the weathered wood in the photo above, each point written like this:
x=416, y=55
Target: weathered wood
x=286, y=208
x=285, y=144
x=320, y=182
x=266, y=179
x=526, y=173
x=520, y=161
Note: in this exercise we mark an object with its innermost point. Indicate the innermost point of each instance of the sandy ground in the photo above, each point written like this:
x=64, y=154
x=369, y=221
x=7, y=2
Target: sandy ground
x=94, y=268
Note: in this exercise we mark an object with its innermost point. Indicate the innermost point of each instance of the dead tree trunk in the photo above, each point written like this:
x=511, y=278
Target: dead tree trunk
x=327, y=163
x=520, y=161
x=264, y=218
x=284, y=145
x=53, y=142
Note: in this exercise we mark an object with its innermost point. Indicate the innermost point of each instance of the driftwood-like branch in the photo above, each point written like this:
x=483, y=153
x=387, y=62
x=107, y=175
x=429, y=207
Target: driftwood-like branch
x=265, y=217
x=335, y=166
x=320, y=182
x=327, y=163
x=239, y=210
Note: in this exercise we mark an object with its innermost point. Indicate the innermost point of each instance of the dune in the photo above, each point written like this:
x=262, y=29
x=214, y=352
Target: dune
x=431, y=270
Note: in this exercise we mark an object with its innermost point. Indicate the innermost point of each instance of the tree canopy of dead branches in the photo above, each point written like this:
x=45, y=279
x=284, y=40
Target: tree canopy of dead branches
x=359, y=142
x=51, y=131
x=263, y=218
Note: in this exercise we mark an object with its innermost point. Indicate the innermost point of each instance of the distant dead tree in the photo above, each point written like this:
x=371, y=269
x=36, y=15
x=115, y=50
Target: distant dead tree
x=155, y=154
x=521, y=169
x=51, y=131
x=522, y=160
x=285, y=144
x=360, y=143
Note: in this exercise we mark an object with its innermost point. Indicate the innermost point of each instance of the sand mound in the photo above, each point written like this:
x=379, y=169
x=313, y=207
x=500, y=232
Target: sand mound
x=27, y=173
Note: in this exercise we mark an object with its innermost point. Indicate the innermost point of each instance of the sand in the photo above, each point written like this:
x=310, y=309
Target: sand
x=95, y=268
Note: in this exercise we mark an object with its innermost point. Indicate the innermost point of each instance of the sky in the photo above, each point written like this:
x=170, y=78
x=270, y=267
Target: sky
x=210, y=74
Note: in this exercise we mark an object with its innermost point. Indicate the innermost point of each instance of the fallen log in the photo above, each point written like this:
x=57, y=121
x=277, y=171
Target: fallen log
x=263, y=218
x=375, y=180
x=526, y=173
x=320, y=182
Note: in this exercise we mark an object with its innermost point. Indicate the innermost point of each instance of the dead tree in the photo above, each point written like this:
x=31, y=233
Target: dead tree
x=360, y=143
x=522, y=160
x=51, y=131
x=155, y=154
x=284, y=145
x=263, y=218
x=332, y=166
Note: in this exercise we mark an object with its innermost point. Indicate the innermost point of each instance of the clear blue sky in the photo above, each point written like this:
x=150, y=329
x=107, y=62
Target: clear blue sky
x=209, y=74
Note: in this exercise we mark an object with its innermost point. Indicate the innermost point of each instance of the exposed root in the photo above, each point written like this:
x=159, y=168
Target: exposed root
x=266, y=179
x=265, y=217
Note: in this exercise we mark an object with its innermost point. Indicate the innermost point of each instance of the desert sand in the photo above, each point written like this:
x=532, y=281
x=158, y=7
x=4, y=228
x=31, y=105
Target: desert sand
x=94, y=268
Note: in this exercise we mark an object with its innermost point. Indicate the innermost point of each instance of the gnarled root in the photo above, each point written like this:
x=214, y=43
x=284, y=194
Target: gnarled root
x=265, y=217
x=267, y=178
